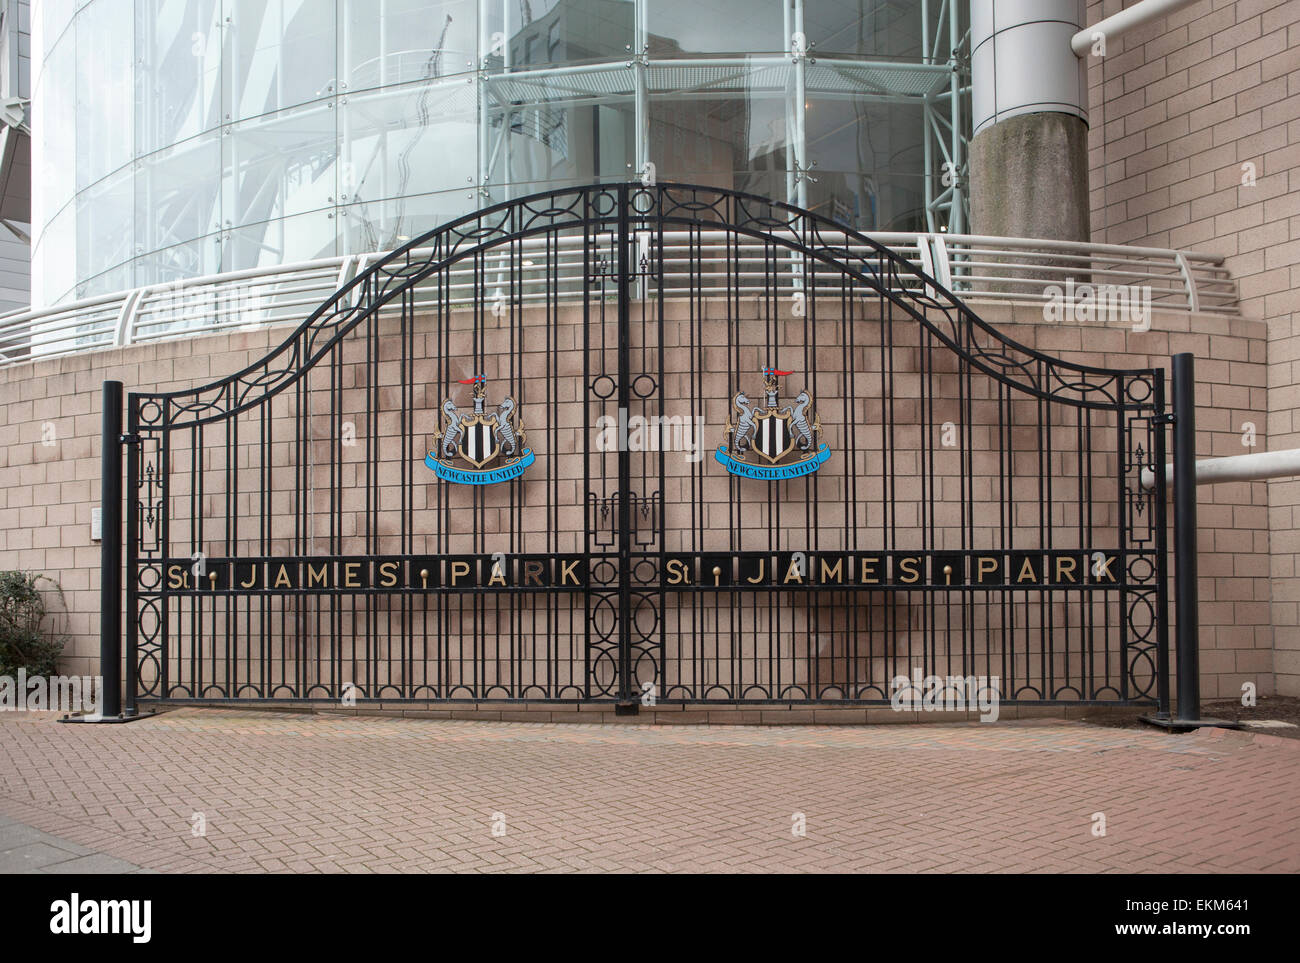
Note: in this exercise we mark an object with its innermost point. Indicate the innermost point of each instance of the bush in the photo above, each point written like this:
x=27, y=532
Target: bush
x=23, y=645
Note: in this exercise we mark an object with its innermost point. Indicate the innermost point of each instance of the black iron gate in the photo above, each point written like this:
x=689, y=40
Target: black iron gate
x=642, y=445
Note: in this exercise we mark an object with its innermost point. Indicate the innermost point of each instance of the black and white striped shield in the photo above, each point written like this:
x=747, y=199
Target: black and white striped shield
x=478, y=445
x=772, y=436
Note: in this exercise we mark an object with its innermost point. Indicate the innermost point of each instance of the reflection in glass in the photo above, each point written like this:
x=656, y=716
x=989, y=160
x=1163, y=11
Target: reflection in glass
x=280, y=53
x=105, y=91
x=299, y=237
x=104, y=215
x=734, y=140
x=707, y=28
x=544, y=32
x=178, y=71
x=868, y=28
x=399, y=41
x=183, y=137
x=172, y=206
x=391, y=148
x=394, y=219
x=869, y=160
x=279, y=165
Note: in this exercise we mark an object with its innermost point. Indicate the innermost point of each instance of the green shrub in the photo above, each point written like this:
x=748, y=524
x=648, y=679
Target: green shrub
x=23, y=644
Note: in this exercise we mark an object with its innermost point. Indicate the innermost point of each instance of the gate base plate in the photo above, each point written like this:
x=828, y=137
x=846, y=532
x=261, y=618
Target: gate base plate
x=108, y=720
x=1187, y=725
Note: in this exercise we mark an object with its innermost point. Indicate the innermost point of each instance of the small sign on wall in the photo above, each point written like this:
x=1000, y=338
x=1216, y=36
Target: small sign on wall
x=96, y=524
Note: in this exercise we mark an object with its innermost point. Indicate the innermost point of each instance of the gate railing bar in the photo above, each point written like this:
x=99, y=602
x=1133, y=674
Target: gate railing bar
x=625, y=705
x=1158, y=455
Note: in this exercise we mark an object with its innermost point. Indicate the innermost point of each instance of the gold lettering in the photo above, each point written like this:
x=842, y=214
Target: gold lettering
x=676, y=572
x=175, y=578
x=351, y=575
x=282, y=579
x=1027, y=567
x=792, y=574
x=1062, y=562
x=252, y=578
x=836, y=572
x=868, y=567
x=1105, y=569
x=322, y=577
x=387, y=574
x=985, y=564
x=762, y=563
x=914, y=571
x=457, y=570
x=566, y=571
x=498, y=577
x=533, y=573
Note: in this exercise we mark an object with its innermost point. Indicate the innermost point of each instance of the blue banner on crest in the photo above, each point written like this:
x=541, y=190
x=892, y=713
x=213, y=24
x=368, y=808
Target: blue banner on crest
x=461, y=477
x=805, y=466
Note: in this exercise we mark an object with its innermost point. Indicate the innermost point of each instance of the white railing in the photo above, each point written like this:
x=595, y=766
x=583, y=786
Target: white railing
x=973, y=267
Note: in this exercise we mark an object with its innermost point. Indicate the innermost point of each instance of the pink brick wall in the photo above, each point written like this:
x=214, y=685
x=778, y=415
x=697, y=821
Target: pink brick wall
x=1178, y=108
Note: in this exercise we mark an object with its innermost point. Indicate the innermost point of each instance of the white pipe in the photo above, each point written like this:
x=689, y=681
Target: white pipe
x=1234, y=468
x=1140, y=13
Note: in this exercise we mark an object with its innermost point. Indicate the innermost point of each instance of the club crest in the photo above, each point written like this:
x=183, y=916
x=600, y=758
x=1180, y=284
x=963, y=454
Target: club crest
x=481, y=446
x=770, y=442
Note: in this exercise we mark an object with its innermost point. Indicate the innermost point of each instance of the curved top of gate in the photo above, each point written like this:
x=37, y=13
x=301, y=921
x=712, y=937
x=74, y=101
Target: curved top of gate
x=598, y=206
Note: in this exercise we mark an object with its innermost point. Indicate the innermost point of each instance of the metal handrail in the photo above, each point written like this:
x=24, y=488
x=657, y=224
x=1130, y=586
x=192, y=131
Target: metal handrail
x=974, y=267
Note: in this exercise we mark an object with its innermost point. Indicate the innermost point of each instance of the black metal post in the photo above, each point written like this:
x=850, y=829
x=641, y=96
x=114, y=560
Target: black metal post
x=110, y=553
x=1187, y=630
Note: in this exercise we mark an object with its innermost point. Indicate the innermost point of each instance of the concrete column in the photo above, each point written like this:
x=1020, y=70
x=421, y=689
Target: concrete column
x=1029, y=154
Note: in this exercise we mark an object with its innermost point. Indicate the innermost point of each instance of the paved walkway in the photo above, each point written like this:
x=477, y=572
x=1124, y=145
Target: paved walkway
x=276, y=791
x=27, y=850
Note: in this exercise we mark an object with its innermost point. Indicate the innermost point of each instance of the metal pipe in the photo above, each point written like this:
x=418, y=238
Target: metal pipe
x=1140, y=13
x=801, y=110
x=957, y=211
x=110, y=553
x=1187, y=625
x=1236, y=468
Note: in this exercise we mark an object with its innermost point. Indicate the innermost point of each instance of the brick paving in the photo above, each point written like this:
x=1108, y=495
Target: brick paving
x=336, y=793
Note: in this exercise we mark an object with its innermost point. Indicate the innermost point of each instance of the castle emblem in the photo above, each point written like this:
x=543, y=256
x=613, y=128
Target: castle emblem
x=770, y=442
x=482, y=446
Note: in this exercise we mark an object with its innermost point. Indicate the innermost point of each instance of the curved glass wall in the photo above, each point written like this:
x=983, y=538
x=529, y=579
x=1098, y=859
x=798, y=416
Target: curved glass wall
x=177, y=138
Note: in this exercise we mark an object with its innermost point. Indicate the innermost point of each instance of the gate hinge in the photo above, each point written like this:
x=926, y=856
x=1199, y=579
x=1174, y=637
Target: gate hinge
x=128, y=439
x=1165, y=419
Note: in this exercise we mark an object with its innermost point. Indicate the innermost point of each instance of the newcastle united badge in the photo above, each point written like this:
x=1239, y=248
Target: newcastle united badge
x=770, y=442
x=481, y=447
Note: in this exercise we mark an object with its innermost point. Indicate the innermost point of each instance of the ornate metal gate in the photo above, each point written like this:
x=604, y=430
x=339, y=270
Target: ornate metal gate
x=647, y=444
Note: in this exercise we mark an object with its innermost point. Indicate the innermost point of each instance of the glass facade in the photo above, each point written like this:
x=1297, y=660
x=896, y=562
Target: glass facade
x=177, y=138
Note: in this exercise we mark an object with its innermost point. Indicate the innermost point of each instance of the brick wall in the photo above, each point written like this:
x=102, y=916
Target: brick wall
x=1178, y=109
x=48, y=490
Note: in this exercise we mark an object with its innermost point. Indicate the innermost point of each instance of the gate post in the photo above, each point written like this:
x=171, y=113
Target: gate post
x=110, y=564
x=110, y=553
x=1187, y=628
